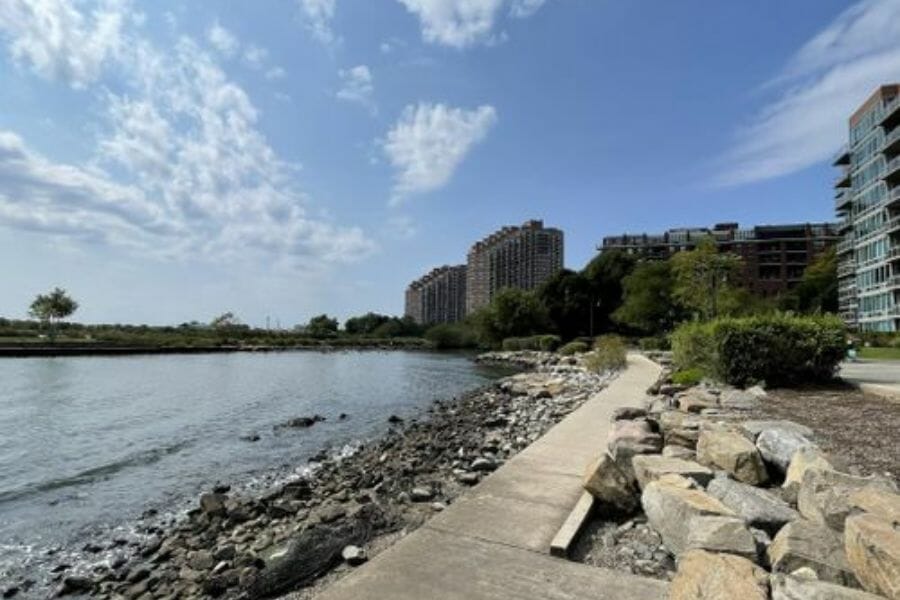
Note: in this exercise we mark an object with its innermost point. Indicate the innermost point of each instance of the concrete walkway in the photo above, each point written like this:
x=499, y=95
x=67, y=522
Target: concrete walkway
x=493, y=543
x=876, y=377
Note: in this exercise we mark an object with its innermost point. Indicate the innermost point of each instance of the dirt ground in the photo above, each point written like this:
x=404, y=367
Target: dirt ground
x=857, y=430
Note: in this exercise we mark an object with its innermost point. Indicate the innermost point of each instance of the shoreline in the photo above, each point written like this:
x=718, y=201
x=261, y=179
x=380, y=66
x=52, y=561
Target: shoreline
x=412, y=472
x=48, y=351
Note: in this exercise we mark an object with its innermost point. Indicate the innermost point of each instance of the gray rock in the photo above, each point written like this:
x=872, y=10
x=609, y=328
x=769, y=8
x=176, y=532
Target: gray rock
x=787, y=587
x=670, y=508
x=824, y=495
x=732, y=452
x=421, y=494
x=753, y=428
x=606, y=482
x=778, y=446
x=354, y=555
x=681, y=452
x=483, y=464
x=630, y=438
x=213, y=504
x=628, y=413
x=757, y=507
x=739, y=400
x=802, y=543
x=722, y=534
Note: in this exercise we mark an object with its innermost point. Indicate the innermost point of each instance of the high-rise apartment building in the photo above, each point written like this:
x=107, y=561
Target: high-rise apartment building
x=438, y=297
x=521, y=257
x=773, y=256
x=867, y=198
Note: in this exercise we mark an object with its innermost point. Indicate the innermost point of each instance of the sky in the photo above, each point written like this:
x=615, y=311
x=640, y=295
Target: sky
x=169, y=161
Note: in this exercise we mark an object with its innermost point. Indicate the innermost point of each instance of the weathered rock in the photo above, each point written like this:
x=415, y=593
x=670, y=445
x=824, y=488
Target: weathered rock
x=802, y=461
x=873, y=551
x=722, y=534
x=752, y=429
x=606, y=482
x=778, y=446
x=201, y=560
x=76, y=584
x=757, y=507
x=628, y=413
x=824, y=495
x=695, y=400
x=483, y=464
x=731, y=452
x=354, y=555
x=650, y=467
x=739, y=400
x=711, y=576
x=670, y=508
x=787, y=587
x=213, y=504
x=802, y=543
x=672, y=451
x=330, y=513
x=630, y=438
x=421, y=494
x=877, y=502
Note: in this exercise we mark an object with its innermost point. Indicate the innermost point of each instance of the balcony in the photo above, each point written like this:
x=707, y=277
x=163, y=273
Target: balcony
x=846, y=268
x=891, y=112
x=892, y=173
x=842, y=200
x=842, y=157
x=843, y=180
x=844, y=246
x=892, y=141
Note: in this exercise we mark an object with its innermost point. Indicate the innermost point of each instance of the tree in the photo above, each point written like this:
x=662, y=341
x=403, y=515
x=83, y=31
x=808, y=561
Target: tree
x=648, y=305
x=817, y=292
x=365, y=324
x=53, y=307
x=567, y=298
x=705, y=278
x=225, y=321
x=396, y=327
x=604, y=275
x=322, y=326
x=511, y=313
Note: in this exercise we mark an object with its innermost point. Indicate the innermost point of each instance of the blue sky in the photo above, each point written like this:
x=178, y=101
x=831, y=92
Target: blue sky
x=172, y=160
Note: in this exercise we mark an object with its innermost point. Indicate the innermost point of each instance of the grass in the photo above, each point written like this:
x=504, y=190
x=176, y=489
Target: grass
x=880, y=353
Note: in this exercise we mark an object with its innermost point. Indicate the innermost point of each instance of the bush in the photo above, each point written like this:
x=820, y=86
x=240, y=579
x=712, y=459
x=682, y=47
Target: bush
x=573, y=348
x=687, y=377
x=776, y=349
x=659, y=342
x=448, y=336
x=546, y=343
x=609, y=354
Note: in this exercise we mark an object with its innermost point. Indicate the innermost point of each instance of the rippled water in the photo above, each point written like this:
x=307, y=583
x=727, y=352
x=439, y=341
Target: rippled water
x=88, y=443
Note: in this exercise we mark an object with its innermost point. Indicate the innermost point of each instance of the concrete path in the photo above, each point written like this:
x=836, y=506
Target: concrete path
x=877, y=377
x=493, y=543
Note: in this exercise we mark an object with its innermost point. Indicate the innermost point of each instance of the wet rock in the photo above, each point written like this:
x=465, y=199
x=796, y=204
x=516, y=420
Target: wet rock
x=395, y=420
x=824, y=496
x=778, y=446
x=301, y=422
x=733, y=453
x=722, y=534
x=75, y=584
x=250, y=437
x=802, y=543
x=669, y=510
x=787, y=587
x=606, y=482
x=873, y=551
x=757, y=507
x=651, y=467
x=710, y=576
x=212, y=503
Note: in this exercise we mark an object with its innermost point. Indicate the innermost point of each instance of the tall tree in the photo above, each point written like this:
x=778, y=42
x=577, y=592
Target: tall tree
x=648, y=305
x=567, y=298
x=817, y=292
x=705, y=279
x=511, y=313
x=365, y=324
x=605, y=274
x=53, y=307
x=322, y=326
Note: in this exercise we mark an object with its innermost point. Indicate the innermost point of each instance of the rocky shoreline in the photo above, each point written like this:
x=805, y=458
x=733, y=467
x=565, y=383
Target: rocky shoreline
x=308, y=530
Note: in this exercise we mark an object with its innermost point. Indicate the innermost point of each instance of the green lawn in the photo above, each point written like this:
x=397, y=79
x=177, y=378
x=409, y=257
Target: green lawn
x=880, y=353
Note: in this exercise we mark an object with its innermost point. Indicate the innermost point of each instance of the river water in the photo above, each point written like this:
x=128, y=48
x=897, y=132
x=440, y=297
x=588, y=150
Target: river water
x=87, y=444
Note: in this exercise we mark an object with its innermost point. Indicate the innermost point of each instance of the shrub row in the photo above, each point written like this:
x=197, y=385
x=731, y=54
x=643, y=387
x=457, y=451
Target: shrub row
x=572, y=348
x=775, y=349
x=609, y=354
x=547, y=343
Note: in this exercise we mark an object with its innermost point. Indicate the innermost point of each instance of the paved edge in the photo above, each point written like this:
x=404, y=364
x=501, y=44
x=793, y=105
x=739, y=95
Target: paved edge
x=493, y=543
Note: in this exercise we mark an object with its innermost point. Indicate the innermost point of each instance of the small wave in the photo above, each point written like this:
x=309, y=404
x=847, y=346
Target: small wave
x=145, y=457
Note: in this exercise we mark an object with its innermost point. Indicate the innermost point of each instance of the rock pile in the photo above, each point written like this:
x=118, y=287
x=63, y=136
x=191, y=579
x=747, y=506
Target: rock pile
x=234, y=545
x=747, y=509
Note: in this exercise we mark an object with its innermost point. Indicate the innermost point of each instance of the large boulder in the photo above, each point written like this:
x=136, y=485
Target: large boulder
x=824, y=495
x=651, y=467
x=670, y=508
x=632, y=437
x=695, y=400
x=753, y=428
x=873, y=551
x=877, y=502
x=778, y=446
x=680, y=429
x=722, y=534
x=757, y=507
x=802, y=543
x=786, y=587
x=213, y=504
x=732, y=453
x=606, y=482
x=711, y=576
x=803, y=460
x=739, y=400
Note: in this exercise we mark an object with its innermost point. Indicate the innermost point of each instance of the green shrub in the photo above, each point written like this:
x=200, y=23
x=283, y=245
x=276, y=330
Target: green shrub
x=777, y=349
x=451, y=336
x=687, y=377
x=573, y=348
x=659, y=342
x=546, y=343
x=609, y=354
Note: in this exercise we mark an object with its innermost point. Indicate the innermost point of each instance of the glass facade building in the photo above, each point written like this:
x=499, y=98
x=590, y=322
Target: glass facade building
x=867, y=200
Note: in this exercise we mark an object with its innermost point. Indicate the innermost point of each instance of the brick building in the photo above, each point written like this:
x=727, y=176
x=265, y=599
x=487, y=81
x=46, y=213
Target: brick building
x=438, y=297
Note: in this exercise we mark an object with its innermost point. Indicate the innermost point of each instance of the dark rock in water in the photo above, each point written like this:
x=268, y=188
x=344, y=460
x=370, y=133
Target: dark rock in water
x=221, y=488
x=343, y=417
x=213, y=504
x=314, y=551
x=92, y=548
x=11, y=591
x=250, y=437
x=75, y=584
x=302, y=422
x=394, y=419
x=61, y=567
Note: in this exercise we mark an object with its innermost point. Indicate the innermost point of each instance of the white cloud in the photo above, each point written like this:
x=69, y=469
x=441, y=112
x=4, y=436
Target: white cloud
x=357, y=85
x=255, y=56
x=275, y=73
x=317, y=15
x=181, y=169
x=61, y=43
x=821, y=85
x=429, y=142
x=463, y=23
x=222, y=40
